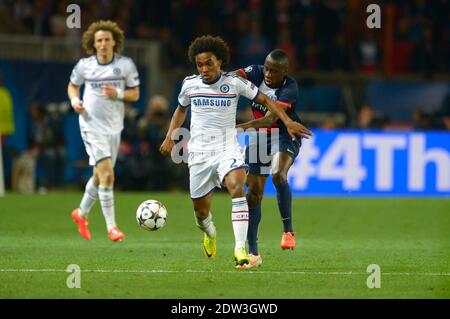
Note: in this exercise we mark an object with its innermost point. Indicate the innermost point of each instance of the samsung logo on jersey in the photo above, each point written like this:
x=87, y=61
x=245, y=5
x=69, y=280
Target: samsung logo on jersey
x=210, y=102
x=99, y=84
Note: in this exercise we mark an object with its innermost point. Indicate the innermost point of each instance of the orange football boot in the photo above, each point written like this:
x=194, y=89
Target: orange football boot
x=82, y=224
x=115, y=234
x=288, y=241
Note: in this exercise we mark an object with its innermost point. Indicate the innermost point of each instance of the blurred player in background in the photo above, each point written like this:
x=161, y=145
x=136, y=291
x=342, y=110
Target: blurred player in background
x=215, y=157
x=110, y=80
x=272, y=79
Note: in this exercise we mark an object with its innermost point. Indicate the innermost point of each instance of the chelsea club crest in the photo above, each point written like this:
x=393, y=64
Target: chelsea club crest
x=116, y=71
x=224, y=88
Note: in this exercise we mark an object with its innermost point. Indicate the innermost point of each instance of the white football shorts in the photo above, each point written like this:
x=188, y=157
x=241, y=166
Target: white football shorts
x=101, y=146
x=208, y=172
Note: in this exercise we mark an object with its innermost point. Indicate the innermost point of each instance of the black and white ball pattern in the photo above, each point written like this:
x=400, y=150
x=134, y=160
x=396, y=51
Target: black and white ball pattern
x=151, y=215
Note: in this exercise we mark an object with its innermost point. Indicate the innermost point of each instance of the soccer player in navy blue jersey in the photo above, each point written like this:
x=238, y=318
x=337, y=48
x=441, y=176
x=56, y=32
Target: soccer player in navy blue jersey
x=272, y=79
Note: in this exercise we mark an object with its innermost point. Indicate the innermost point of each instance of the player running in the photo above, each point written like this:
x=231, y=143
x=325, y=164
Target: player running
x=110, y=80
x=272, y=79
x=215, y=157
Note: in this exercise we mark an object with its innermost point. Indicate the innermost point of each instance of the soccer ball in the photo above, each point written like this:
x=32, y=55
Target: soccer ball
x=151, y=215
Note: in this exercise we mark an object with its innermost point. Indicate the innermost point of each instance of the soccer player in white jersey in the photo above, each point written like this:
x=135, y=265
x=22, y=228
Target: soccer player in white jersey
x=110, y=80
x=215, y=157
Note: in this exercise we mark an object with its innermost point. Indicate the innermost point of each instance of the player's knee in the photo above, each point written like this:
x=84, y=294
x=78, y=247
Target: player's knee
x=254, y=199
x=236, y=190
x=106, y=177
x=279, y=178
x=201, y=212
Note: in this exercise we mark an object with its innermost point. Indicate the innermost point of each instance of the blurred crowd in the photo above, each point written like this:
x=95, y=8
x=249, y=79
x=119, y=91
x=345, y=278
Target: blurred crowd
x=139, y=165
x=423, y=120
x=317, y=34
x=326, y=35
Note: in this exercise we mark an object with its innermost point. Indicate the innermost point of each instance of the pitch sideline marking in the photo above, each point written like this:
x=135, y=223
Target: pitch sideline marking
x=336, y=273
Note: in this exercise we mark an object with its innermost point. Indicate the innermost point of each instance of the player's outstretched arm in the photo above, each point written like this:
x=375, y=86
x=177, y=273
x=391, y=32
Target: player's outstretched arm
x=261, y=122
x=294, y=128
x=73, y=92
x=178, y=118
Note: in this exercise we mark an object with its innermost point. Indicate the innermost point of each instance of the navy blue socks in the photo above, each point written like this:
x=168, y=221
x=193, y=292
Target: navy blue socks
x=252, y=234
x=284, y=198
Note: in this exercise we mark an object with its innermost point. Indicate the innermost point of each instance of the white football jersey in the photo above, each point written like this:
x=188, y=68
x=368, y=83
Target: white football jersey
x=103, y=114
x=213, y=110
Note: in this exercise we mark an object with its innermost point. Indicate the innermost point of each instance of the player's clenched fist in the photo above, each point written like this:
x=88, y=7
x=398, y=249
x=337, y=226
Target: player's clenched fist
x=166, y=147
x=110, y=91
x=77, y=105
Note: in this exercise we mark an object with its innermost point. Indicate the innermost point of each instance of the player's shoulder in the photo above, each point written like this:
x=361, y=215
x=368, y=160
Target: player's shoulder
x=254, y=68
x=87, y=60
x=254, y=73
x=289, y=80
x=232, y=77
x=290, y=83
x=190, y=79
x=123, y=59
x=227, y=75
x=120, y=57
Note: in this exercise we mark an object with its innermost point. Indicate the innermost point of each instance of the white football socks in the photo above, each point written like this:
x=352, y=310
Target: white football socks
x=206, y=225
x=239, y=219
x=89, y=198
x=106, y=196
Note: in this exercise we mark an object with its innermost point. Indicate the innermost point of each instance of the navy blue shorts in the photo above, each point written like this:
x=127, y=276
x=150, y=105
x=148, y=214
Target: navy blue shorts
x=260, y=149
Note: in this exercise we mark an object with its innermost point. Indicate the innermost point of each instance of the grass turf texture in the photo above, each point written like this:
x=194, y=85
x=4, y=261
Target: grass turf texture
x=337, y=239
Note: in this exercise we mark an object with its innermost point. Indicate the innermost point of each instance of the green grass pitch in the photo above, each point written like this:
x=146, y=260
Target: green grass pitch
x=337, y=239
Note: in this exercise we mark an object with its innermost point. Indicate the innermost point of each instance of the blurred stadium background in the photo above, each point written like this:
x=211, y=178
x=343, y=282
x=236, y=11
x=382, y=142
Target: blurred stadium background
x=395, y=78
x=377, y=101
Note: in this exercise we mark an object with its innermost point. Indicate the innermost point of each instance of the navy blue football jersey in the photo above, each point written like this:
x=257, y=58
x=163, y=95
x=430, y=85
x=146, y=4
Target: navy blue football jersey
x=286, y=94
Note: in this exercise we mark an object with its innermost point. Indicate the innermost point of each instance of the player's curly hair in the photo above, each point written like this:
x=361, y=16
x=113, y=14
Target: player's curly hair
x=103, y=25
x=208, y=43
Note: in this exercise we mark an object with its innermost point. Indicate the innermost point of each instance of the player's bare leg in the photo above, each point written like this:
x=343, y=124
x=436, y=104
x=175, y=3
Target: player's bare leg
x=281, y=162
x=105, y=173
x=203, y=219
x=234, y=181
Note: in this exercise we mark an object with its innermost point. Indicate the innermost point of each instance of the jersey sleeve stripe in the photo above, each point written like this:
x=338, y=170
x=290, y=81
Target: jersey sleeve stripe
x=242, y=73
x=212, y=95
x=106, y=79
x=284, y=104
